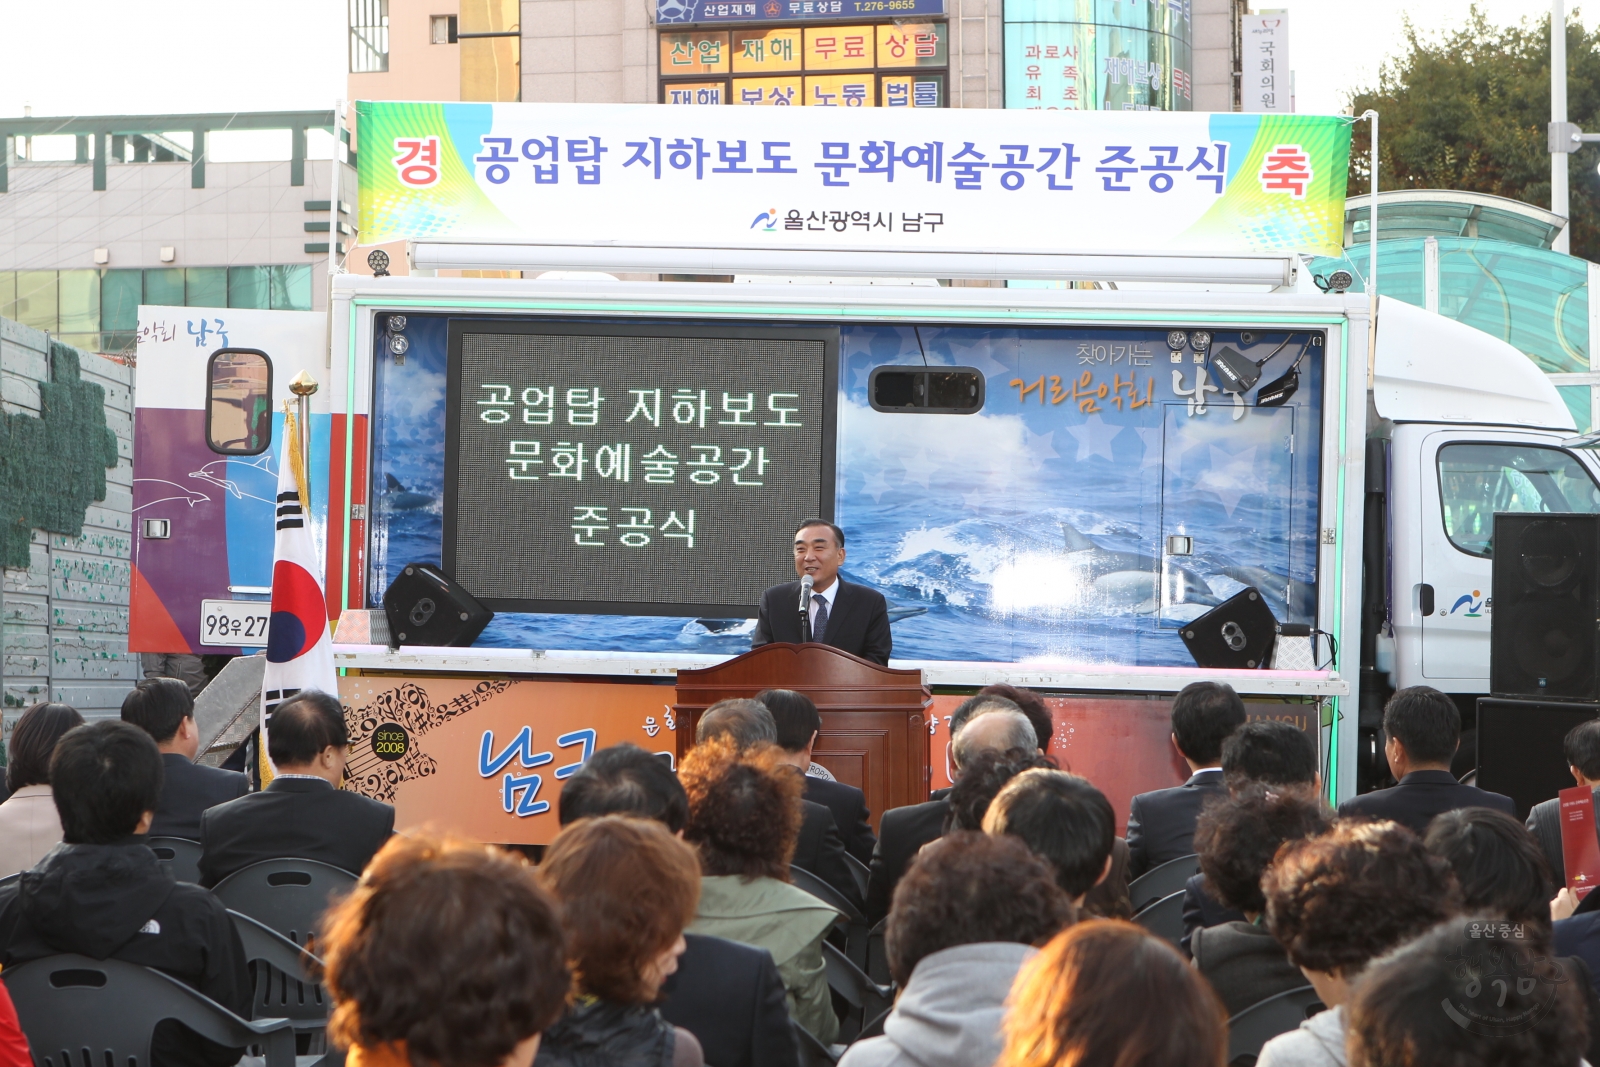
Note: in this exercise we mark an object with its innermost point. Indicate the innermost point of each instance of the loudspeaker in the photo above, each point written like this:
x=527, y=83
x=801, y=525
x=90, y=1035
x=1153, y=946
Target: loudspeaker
x=1544, y=635
x=1519, y=747
x=1237, y=633
x=426, y=607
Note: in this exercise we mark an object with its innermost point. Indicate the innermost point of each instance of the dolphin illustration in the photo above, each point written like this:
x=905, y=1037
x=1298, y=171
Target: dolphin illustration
x=1295, y=600
x=1131, y=580
x=398, y=498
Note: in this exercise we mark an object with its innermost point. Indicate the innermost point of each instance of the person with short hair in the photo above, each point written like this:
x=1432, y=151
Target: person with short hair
x=446, y=953
x=1032, y=705
x=968, y=914
x=744, y=815
x=102, y=893
x=623, y=943
x=1423, y=730
x=799, y=725
x=1272, y=753
x=29, y=824
x=1337, y=901
x=1108, y=992
x=1581, y=747
x=302, y=813
x=1064, y=820
x=1407, y=1011
x=164, y=708
x=1161, y=822
x=848, y=616
x=982, y=778
x=727, y=994
x=1237, y=836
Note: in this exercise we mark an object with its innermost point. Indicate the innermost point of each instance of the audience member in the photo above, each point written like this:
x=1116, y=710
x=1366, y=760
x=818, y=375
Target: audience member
x=102, y=893
x=1161, y=822
x=622, y=943
x=1407, y=1011
x=965, y=918
x=985, y=774
x=447, y=954
x=1335, y=902
x=29, y=825
x=1236, y=839
x=1423, y=730
x=1032, y=705
x=164, y=709
x=302, y=813
x=1109, y=993
x=727, y=995
x=1065, y=821
x=799, y=725
x=743, y=818
x=902, y=831
x=819, y=848
x=1581, y=747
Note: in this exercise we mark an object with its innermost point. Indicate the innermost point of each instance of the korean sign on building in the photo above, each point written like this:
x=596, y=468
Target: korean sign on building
x=873, y=179
x=1264, y=79
x=691, y=12
x=1130, y=56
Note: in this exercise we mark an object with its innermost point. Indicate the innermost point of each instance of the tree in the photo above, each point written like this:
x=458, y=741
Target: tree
x=1469, y=111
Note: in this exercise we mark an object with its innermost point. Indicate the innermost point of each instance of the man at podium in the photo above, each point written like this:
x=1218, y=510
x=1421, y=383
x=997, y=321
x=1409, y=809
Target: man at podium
x=838, y=613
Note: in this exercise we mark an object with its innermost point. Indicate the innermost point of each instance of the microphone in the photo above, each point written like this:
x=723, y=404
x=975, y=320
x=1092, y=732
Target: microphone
x=806, y=582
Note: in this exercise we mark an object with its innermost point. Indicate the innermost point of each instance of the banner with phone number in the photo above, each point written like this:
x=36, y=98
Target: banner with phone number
x=877, y=179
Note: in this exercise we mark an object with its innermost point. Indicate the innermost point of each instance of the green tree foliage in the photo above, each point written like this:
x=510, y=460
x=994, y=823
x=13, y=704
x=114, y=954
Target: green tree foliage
x=53, y=467
x=1468, y=110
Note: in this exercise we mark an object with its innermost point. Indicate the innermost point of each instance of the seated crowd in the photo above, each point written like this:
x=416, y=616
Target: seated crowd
x=704, y=915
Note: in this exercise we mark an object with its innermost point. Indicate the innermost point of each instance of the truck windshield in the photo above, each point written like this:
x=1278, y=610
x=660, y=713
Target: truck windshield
x=1477, y=480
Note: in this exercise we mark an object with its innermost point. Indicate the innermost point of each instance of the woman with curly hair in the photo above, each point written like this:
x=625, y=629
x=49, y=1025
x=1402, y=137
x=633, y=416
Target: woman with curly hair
x=623, y=943
x=446, y=954
x=744, y=816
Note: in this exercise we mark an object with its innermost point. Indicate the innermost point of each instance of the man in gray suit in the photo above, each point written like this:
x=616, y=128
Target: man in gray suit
x=1581, y=746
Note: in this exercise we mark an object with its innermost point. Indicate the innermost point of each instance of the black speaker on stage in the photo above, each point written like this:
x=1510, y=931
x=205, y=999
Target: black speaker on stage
x=1238, y=633
x=1519, y=747
x=426, y=607
x=1544, y=635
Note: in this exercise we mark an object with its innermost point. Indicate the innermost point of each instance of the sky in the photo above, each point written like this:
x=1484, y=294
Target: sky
x=155, y=56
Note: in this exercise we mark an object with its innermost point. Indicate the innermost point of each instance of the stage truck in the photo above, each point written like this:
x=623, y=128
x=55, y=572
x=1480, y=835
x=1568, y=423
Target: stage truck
x=1046, y=484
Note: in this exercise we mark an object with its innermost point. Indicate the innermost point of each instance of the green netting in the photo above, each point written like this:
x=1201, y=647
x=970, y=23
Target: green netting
x=54, y=466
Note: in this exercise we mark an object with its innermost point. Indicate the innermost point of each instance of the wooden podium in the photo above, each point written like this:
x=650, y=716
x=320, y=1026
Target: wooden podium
x=874, y=719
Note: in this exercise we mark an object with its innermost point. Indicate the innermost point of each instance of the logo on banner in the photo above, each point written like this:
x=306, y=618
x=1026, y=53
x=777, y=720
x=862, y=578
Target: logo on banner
x=767, y=220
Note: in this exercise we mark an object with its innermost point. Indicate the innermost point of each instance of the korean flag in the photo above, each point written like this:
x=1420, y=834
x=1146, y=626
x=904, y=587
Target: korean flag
x=299, y=647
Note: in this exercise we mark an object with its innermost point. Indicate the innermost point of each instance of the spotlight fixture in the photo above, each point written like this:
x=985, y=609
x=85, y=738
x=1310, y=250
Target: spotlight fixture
x=1339, y=281
x=399, y=346
x=378, y=260
x=1176, y=339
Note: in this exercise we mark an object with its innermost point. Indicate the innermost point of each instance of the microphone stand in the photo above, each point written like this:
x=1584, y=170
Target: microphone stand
x=805, y=611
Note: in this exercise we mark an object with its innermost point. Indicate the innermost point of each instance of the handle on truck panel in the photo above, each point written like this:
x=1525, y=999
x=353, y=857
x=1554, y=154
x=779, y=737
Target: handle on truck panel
x=1425, y=598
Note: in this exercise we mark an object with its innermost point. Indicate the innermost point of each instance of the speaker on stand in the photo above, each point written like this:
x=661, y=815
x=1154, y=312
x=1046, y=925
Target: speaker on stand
x=1544, y=634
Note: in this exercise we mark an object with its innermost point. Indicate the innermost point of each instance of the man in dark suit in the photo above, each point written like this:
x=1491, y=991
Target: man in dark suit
x=842, y=614
x=903, y=831
x=1423, y=729
x=727, y=995
x=302, y=813
x=798, y=728
x=1161, y=822
x=164, y=709
x=819, y=849
x=1581, y=746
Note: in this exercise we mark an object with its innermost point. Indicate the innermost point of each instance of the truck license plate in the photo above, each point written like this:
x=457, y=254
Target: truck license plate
x=234, y=622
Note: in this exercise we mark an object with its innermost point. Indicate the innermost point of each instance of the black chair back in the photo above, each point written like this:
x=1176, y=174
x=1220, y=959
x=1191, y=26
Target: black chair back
x=75, y=1010
x=813, y=1053
x=877, y=955
x=860, y=874
x=179, y=855
x=10, y=879
x=1162, y=881
x=865, y=999
x=284, y=978
x=850, y=930
x=1265, y=1020
x=286, y=895
x=1164, y=918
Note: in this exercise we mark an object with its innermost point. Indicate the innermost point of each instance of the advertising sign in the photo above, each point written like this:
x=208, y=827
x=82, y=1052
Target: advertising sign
x=1264, y=80
x=919, y=178
x=700, y=11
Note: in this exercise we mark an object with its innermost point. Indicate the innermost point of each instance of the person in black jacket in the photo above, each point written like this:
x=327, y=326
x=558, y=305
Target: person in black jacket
x=1423, y=727
x=843, y=614
x=302, y=813
x=799, y=726
x=164, y=708
x=726, y=994
x=1581, y=747
x=101, y=893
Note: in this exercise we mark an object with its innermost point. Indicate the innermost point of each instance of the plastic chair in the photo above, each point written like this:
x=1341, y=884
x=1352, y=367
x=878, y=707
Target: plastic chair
x=1265, y=1020
x=813, y=1053
x=286, y=895
x=875, y=1027
x=877, y=955
x=1164, y=918
x=179, y=855
x=106, y=1011
x=285, y=980
x=851, y=925
x=1162, y=881
x=860, y=873
x=866, y=999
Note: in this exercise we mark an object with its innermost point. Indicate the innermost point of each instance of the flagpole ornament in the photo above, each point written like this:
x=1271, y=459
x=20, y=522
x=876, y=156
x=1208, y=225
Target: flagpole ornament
x=302, y=384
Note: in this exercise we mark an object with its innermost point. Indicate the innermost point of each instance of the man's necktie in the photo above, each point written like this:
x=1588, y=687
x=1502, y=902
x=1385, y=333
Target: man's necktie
x=819, y=623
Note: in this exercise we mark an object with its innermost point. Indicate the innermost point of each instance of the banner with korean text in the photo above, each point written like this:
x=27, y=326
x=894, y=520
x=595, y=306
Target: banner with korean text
x=876, y=179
